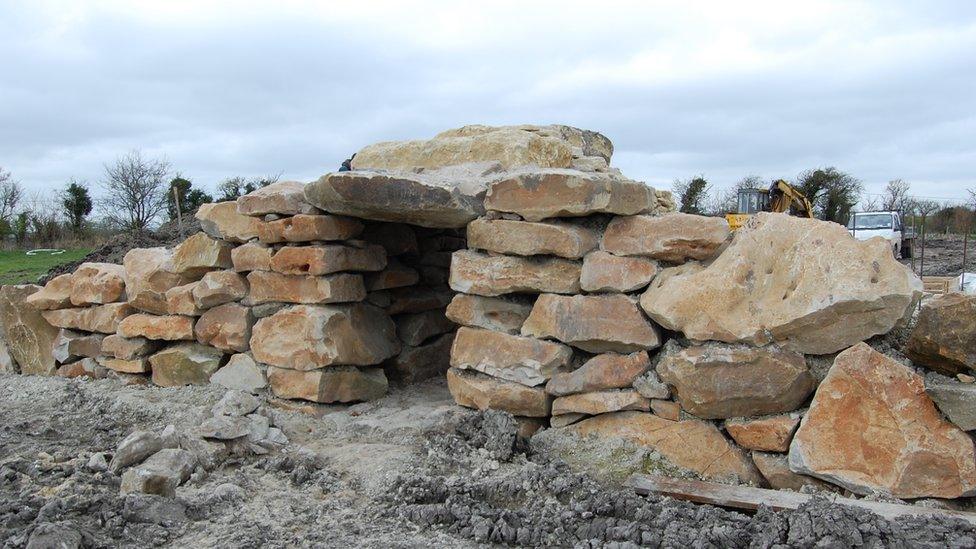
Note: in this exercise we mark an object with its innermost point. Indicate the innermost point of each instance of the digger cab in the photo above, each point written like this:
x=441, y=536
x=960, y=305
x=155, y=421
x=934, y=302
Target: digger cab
x=750, y=201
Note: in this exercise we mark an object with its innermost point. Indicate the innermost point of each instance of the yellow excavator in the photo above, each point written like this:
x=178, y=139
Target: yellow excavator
x=781, y=197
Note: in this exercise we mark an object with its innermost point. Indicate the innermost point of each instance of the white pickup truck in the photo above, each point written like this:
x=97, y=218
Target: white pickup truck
x=887, y=225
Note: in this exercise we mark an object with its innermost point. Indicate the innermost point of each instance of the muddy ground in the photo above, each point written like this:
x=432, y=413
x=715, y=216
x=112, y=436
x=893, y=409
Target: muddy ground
x=410, y=470
x=943, y=255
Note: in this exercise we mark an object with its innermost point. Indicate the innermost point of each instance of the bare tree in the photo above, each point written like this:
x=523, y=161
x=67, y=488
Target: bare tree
x=726, y=200
x=10, y=195
x=135, y=189
x=895, y=195
x=869, y=203
x=972, y=199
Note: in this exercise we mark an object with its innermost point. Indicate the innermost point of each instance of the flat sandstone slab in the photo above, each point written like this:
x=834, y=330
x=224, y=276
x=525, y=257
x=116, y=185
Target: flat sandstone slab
x=477, y=273
x=336, y=384
x=269, y=287
x=99, y=318
x=674, y=237
x=482, y=392
x=523, y=360
x=506, y=236
x=597, y=323
x=306, y=228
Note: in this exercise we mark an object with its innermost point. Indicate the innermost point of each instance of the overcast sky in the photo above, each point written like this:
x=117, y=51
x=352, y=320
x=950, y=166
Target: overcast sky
x=877, y=89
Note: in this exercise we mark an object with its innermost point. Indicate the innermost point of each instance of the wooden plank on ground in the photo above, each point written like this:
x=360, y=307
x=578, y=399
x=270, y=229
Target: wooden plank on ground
x=748, y=498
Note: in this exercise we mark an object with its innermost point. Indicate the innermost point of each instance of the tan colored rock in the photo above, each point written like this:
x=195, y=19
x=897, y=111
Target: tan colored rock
x=56, y=294
x=694, y=445
x=283, y=197
x=490, y=313
x=605, y=272
x=128, y=348
x=97, y=284
x=28, y=336
x=776, y=470
x=219, y=287
x=226, y=327
x=327, y=259
x=944, y=339
x=148, y=276
x=426, y=361
x=565, y=419
x=582, y=142
x=720, y=381
x=86, y=367
x=167, y=327
x=600, y=402
x=185, y=364
x=482, y=392
x=414, y=329
x=199, y=253
x=667, y=409
x=241, y=373
x=306, y=337
x=70, y=345
x=524, y=238
x=871, y=427
x=396, y=238
x=801, y=282
x=395, y=275
x=477, y=273
x=126, y=366
x=252, y=256
x=602, y=372
x=335, y=384
x=542, y=194
x=596, y=323
x=99, y=318
x=306, y=228
x=524, y=360
x=179, y=300
x=269, y=287
x=675, y=237
x=221, y=220
x=768, y=434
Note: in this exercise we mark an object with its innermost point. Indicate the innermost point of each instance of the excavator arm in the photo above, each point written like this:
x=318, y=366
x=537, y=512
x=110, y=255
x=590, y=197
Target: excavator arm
x=784, y=196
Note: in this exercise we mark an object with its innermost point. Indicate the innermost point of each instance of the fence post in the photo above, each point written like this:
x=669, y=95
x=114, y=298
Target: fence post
x=179, y=214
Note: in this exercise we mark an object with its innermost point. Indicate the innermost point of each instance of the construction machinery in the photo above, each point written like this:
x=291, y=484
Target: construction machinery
x=780, y=197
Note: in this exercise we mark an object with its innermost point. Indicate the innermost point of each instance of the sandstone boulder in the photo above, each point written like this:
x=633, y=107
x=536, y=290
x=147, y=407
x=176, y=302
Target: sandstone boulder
x=128, y=348
x=775, y=468
x=222, y=220
x=70, y=345
x=427, y=361
x=99, y=318
x=327, y=259
x=602, y=372
x=29, y=337
x=490, y=313
x=675, y=237
x=269, y=287
x=126, y=365
x=506, y=236
x=956, y=400
x=217, y=288
x=56, y=294
x=524, y=360
x=179, y=300
x=241, y=373
x=335, y=384
x=283, y=197
x=477, y=273
x=667, y=409
x=605, y=272
x=97, y=284
x=226, y=327
x=199, y=253
x=306, y=228
x=148, y=276
x=597, y=323
x=252, y=256
x=768, y=434
x=801, y=282
x=600, y=402
x=168, y=327
x=482, y=392
x=871, y=427
x=185, y=364
x=944, y=339
x=414, y=329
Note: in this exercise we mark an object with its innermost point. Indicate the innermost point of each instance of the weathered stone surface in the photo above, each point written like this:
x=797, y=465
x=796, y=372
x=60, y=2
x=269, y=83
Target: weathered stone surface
x=415, y=364
x=148, y=276
x=320, y=260
x=477, y=273
x=600, y=402
x=160, y=474
x=416, y=299
x=70, y=344
x=605, y=272
x=168, y=327
x=538, y=195
x=85, y=367
x=651, y=386
x=668, y=409
x=694, y=445
x=597, y=323
x=944, y=339
x=395, y=275
x=179, y=300
x=523, y=360
x=56, y=294
x=768, y=434
x=483, y=392
x=241, y=373
x=776, y=470
x=284, y=197
x=219, y=287
x=128, y=348
x=306, y=337
x=252, y=256
x=801, y=282
x=99, y=318
x=505, y=236
x=602, y=372
x=29, y=337
x=222, y=220
x=721, y=381
x=97, y=283
x=269, y=287
x=200, y=253
x=871, y=427
x=675, y=237
x=565, y=419
x=7, y=363
x=185, y=364
x=306, y=228
x=335, y=384
x=954, y=399
x=226, y=327
x=414, y=329
x=126, y=366
x=138, y=446
x=491, y=313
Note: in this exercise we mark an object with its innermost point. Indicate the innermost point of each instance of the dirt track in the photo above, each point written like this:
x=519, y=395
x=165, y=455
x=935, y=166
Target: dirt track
x=943, y=256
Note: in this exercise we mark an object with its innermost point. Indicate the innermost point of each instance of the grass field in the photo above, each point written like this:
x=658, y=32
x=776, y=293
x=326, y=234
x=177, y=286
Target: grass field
x=16, y=267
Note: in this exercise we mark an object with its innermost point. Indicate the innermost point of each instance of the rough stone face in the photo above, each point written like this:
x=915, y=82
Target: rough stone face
x=241, y=373
x=97, y=283
x=720, y=381
x=524, y=360
x=284, y=197
x=56, y=294
x=219, y=287
x=320, y=260
x=597, y=323
x=99, y=318
x=221, y=220
x=651, y=386
x=668, y=409
x=600, y=402
x=29, y=337
x=306, y=337
x=482, y=392
x=160, y=474
x=605, y=272
x=538, y=195
x=477, y=273
x=306, y=228
x=872, y=427
x=148, y=276
x=694, y=445
x=565, y=419
x=944, y=339
x=414, y=329
x=179, y=300
x=491, y=313
x=168, y=328
x=199, y=254
x=70, y=344
x=128, y=348
x=269, y=287
x=776, y=470
x=226, y=327
x=86, y=367
x=335, y=384
x=770, y=434
x=524, y=238
x=395, y=275
x=675, y=237
x=956, y=400
x=602, y=372
x=126, y=366
x=252, y=256
x=185, y=364
x=801, y=282
x=415, y=364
